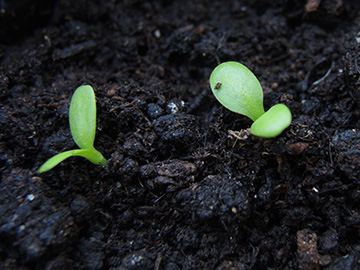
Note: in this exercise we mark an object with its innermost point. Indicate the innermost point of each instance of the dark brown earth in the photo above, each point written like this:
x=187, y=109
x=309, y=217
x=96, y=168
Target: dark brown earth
x=181, y=190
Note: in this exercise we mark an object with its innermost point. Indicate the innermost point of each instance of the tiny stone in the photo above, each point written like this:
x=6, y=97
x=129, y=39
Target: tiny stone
x=157, y=33
x=274, y=86
x=30, y=197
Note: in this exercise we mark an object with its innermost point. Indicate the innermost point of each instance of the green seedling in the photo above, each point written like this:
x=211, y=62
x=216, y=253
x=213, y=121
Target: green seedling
x=238, y=90
x=82, y=119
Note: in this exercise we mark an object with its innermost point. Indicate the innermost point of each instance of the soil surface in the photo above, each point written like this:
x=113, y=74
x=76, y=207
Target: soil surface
x=184, y=187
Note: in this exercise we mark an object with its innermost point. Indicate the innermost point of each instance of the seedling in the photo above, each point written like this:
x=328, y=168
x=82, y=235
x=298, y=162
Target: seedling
x=82, y=119
x=238, y=90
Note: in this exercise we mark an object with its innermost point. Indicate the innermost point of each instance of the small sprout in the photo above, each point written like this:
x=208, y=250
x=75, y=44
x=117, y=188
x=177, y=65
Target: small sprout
x=82, y=119
x=238, y=90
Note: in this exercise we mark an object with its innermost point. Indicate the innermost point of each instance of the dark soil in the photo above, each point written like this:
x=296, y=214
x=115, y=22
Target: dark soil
x=181, y=190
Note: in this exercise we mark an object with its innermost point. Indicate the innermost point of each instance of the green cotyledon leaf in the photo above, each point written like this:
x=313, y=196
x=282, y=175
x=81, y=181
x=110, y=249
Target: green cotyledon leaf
x=82, y=116
x=237, y=89
x=273, y=122
x=91, y=154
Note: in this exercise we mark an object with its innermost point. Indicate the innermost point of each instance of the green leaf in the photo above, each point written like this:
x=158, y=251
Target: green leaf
x=91, y=154
x=55, y=160
x=273, y=122
x=237, y=89
x=82, y=116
